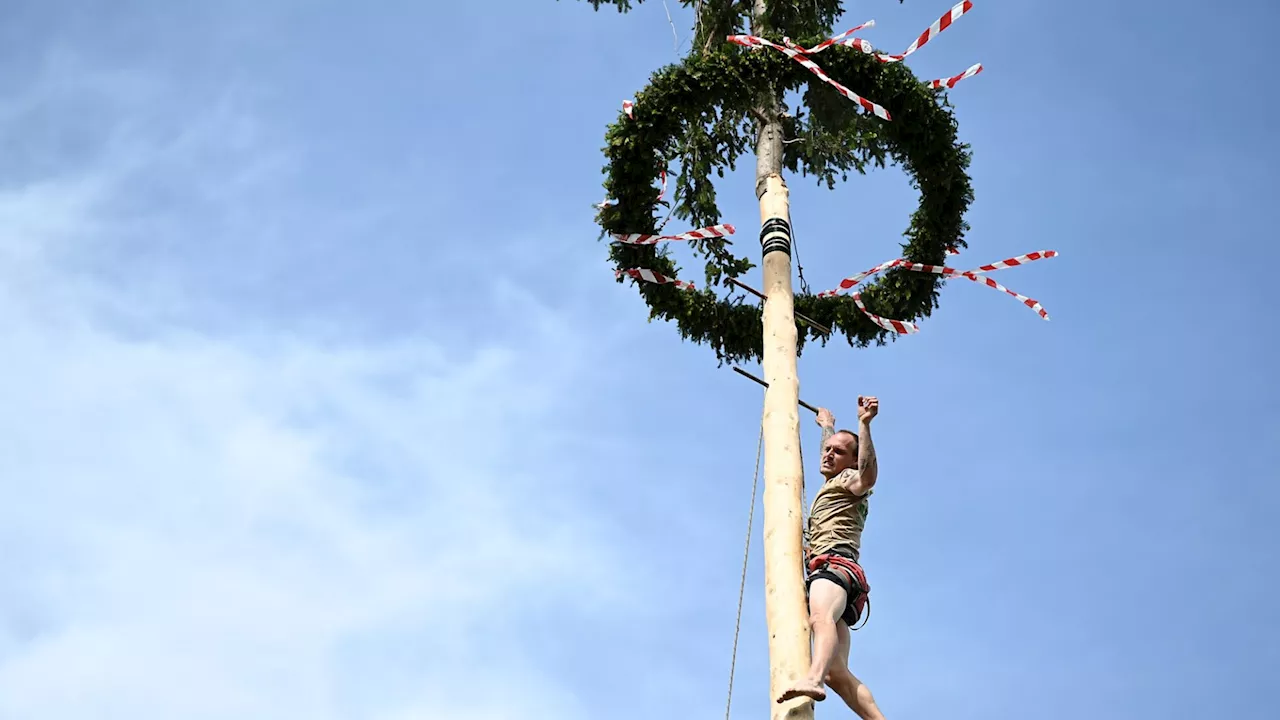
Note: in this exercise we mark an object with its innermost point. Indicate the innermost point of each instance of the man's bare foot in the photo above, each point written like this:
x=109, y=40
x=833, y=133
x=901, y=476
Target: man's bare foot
x=804, y=688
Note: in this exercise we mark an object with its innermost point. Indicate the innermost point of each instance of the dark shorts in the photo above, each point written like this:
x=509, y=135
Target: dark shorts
x=848, y=575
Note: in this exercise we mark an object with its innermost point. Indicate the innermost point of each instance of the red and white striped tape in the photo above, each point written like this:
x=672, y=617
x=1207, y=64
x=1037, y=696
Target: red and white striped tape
x=975, y=275
x=859, y=44
x=938, y=26
x=1014, y=261
x=866, y=47
x=752, y=41
x=706, y=233
x=902, y=327
x=852, y=280
x=951, y=81
x=836, y=40
x=653, y=277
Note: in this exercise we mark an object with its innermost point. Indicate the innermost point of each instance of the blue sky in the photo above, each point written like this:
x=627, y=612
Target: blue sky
x=321, y=400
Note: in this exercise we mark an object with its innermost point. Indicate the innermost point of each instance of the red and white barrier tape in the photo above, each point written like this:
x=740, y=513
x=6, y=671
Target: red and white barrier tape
x=836, y=40
x=852, y=280
x=653, y=277
x=951, y=81
x=938, y=26
x=901, y=327
x=799, y=55
x=866, y=47
x=1014, y=261
x=859, y=44
x=751, y=41
x=975, y=275
x=715, y=231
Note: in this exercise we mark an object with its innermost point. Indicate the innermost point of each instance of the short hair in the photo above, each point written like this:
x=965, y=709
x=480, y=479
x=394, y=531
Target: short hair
x=850, y=433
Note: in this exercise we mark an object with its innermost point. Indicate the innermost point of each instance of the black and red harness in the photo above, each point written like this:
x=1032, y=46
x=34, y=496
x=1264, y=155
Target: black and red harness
x=847, y=574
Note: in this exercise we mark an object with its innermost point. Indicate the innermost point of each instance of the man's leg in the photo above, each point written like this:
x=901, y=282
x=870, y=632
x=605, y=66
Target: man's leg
x=856, y=695
x=826, y=605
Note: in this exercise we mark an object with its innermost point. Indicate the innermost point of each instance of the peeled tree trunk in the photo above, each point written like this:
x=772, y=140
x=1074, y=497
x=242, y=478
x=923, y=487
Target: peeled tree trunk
x=786, y=612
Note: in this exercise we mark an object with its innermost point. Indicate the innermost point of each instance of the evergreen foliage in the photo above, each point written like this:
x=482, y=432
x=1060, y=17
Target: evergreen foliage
x=703, y=113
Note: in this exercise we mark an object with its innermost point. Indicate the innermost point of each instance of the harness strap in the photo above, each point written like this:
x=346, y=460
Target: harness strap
x=854, y=573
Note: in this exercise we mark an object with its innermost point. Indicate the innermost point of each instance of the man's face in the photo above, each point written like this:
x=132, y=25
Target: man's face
x=838, y=454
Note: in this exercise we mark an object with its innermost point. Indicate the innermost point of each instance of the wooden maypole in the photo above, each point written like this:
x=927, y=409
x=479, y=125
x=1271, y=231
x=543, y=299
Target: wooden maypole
x=786, y=612
x=698, y=112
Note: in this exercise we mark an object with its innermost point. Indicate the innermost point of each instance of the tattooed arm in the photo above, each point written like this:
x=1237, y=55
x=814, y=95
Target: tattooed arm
x=827, y=422
x=868, y=468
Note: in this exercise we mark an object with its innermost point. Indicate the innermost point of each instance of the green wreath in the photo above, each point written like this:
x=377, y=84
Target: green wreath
x=700, y=111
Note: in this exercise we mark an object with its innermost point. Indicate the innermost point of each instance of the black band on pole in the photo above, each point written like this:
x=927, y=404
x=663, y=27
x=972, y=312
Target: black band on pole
x=775, y=236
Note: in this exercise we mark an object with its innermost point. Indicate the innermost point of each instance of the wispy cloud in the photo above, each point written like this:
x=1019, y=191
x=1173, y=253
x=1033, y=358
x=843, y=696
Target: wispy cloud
x=262, y=522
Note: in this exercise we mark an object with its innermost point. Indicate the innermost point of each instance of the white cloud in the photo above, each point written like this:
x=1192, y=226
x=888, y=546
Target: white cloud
x=192, y=519
x=264, y=524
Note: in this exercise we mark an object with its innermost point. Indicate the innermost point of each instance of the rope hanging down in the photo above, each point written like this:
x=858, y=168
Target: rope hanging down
x=742, y=587
x=746, y=555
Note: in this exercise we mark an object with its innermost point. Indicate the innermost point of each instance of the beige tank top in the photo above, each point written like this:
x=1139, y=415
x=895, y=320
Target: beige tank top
x=836, y=519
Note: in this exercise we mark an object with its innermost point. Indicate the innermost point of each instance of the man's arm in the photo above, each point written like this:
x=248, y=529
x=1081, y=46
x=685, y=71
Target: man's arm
x=868, y=468
x=827, y=422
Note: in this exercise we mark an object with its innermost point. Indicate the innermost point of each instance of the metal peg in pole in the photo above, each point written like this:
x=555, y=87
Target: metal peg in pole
x=805, y=318
x=748, y=375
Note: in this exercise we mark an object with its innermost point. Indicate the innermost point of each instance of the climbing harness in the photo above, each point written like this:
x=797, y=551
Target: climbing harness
x=853, y=577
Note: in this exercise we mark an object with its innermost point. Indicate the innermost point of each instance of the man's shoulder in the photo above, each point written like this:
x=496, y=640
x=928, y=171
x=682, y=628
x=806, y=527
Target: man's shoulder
x=840, y=479
x=847, y=478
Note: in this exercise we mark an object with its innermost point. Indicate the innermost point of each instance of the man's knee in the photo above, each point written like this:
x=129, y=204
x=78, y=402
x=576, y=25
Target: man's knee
x=822, y=622
x=839, y=678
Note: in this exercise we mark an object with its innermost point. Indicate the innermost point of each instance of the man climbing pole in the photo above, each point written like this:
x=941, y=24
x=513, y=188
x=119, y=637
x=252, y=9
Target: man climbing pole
x=836, y=585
